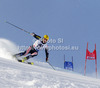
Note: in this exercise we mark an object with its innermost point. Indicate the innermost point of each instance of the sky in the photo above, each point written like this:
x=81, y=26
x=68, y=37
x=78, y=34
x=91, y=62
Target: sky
x=74, y=22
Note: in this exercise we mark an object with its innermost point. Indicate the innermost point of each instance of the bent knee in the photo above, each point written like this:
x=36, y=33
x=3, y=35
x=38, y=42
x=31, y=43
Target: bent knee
x=34, y=54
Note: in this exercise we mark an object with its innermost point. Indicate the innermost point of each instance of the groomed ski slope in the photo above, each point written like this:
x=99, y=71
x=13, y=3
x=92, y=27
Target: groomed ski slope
x=19, y=75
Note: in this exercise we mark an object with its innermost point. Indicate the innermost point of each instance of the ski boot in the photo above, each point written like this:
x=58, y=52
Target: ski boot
x=24, y=59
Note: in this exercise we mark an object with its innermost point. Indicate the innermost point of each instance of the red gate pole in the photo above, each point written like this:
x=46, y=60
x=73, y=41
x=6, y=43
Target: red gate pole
x=85, y=67
x=96, y=67
x=85, y=59
x=96, y=62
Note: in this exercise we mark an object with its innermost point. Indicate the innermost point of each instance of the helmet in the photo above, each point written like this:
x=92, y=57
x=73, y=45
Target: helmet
x=46, y=37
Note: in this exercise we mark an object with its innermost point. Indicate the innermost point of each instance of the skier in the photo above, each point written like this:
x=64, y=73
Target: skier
x=33, y=49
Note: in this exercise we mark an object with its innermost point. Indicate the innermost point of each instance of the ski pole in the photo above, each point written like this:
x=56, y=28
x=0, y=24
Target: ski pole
x=51, y=65
x=18, y=27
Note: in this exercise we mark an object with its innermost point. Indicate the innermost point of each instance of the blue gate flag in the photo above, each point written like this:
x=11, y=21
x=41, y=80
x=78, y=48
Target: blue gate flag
x=68, y=65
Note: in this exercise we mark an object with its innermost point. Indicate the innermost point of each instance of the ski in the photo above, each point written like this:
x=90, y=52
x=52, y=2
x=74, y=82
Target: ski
x=26, y=62
x=23, y=61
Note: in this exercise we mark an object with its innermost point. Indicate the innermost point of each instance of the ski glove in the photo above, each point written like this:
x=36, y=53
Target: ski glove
x=32, y=34
x=46, y=59
x=35, y=36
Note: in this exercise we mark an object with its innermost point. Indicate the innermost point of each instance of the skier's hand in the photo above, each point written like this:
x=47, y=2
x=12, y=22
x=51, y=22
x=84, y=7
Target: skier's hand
x=46, y=59
x=32, y=34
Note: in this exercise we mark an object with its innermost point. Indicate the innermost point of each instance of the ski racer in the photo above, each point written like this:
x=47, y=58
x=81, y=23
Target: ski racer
x=34, y=49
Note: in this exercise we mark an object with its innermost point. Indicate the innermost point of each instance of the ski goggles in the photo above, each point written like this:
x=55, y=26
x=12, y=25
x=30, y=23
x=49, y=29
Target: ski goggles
x=45, y=40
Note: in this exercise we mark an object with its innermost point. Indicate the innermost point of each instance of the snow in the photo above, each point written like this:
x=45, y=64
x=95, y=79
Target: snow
x=14, y=74
x=7, y=48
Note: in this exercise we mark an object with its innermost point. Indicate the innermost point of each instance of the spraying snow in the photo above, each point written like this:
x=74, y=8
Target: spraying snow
x=7, y=48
